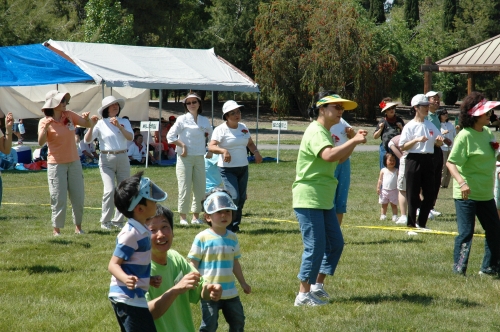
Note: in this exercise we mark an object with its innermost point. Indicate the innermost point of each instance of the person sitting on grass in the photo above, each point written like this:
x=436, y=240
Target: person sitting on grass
x=213, y=249
x=137, y=152
x=181, y=283
x=387, y=187
x=130, y=264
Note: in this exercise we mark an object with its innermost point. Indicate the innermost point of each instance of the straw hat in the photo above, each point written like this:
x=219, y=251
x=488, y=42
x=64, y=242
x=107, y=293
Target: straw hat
x=53, y=99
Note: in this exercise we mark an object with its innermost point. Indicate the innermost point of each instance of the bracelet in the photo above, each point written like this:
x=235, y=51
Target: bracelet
x=463, y=184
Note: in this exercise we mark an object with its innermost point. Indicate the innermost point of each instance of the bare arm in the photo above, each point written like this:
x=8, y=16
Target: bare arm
x=43, y=128
x=253, y=149
x=83, y=120
x=379, y=182
x=408, y=145
x=115, y=268
x=396, y=151
x=464, y=187
x=6, y=141
x=379, y=130
x=215, y=148
x=341, y=153
x=238, y=273
x=211, y=292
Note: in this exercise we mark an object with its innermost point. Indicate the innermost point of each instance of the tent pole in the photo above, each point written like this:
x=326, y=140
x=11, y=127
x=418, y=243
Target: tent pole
x=102, y=86
x=159, y=129
x=257, y=128
x=212, y=109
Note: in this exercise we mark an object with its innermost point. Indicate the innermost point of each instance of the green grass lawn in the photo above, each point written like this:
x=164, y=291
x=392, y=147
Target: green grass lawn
x=385, y=281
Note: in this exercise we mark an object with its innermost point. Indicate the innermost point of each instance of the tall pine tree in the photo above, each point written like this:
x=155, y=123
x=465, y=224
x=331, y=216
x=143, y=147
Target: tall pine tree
x=377, y=11
x=450, y=10
x=411, y=13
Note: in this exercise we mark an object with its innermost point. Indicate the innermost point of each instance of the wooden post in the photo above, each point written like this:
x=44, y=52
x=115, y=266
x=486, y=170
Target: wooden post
x=427, y=75
x=471, y=83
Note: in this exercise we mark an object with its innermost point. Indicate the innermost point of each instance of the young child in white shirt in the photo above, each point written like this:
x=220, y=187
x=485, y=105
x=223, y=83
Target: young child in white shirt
x=387, y=187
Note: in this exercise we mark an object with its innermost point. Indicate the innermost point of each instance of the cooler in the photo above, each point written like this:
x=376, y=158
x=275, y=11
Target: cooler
x=23, y=154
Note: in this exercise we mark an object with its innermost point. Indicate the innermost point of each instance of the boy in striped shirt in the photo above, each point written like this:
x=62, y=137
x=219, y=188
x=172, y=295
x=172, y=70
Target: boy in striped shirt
x=130, y=264
x=215, y=253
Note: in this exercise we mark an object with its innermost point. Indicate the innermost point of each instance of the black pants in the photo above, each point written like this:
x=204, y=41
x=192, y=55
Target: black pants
x=438, y=167
x=419, y=173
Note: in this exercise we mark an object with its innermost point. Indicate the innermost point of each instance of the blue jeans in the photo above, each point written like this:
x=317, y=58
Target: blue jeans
x=133, y=319
x=487, y=215
x=235, y=181
x=323, y=242
x=343, y=175
x=381, y=152
x=231, y=309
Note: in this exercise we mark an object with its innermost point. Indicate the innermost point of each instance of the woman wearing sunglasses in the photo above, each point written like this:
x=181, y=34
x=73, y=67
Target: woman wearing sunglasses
x=230, y=141
x=472, y=164
x=190, y=134
x=313, y=194
x=64, y=170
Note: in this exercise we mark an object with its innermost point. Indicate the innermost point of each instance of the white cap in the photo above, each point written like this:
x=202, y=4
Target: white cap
x=108, y=101
x=420, y=100
x=433, y=93
x=229, y=106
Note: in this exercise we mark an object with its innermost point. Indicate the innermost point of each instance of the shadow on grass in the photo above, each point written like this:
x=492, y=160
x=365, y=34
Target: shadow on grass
x=386, y=241
x=68, y=242
x=410, y=298
x=263, y=231
x=40, y=269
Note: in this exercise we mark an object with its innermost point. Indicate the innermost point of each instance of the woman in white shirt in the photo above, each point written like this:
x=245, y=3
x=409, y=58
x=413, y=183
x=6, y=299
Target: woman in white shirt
x=418, y=138
x=448, y=131
x=113, y=134
x=230, y=140
x=190, y=134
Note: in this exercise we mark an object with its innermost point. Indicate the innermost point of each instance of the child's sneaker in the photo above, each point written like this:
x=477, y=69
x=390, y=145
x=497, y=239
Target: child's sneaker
x=394, y=218
x=196, y=222
x=402, y=220
x=319, y=292
x=383, y=217
x=308, y=299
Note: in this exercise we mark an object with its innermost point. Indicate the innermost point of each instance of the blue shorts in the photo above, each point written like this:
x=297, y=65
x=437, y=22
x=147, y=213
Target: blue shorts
x=343, y=175
x=15, y=127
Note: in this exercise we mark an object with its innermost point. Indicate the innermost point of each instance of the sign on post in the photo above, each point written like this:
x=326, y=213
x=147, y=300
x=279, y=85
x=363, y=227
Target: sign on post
x=279, y=125
x=149, y=126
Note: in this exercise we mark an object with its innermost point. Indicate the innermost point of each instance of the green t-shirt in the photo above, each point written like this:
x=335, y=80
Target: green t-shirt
x=178, y=317
x=475, y=161
x=315, y=183
x=432, y=117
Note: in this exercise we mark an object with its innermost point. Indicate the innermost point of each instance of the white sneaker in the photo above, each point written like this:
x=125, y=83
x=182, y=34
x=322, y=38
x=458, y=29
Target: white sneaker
x=431, y=216
x=394, y=218
x=117, y=224
x=411, y=233
x=184, y=222
x=308, y=300
x=423, y=228
x=320, y=293
x=436, y=213
x=106, y=226
x=383, y=217
x=418, y=211
x=402, y=220
x=196, y=222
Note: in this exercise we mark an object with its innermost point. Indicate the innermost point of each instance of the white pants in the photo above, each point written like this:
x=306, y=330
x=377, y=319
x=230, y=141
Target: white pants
x=66, y=179
x=190, y=173
x=112, y=166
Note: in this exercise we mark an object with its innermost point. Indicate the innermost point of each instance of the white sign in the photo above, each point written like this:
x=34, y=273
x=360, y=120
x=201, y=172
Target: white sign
x=150, y=125
x=280, y=125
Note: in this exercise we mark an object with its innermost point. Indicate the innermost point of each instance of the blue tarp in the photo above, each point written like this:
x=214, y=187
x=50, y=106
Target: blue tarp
x=30, y=65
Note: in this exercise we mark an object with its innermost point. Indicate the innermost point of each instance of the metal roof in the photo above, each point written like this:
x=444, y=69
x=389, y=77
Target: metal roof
x=484, y=56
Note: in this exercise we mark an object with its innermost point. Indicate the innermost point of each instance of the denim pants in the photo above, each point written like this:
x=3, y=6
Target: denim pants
x=381, y=152
x=66, y=179
x=231, y=309
x=235, y=181
x=323, y=242
x=343, y=175
x=133, y=319
x=487, y=215
x=190, y=171
x=112, y=166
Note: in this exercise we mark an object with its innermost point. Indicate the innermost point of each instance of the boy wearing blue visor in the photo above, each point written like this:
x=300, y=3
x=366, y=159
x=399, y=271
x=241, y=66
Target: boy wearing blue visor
x=130, y=264
x=215, y=253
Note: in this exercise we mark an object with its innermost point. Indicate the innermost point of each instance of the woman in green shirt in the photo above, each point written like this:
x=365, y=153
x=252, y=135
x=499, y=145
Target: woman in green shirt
x=472, y=165
x=313, y=194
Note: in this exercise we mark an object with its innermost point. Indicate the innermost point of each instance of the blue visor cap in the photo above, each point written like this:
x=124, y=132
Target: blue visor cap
x=218, y=201
x=148, y=190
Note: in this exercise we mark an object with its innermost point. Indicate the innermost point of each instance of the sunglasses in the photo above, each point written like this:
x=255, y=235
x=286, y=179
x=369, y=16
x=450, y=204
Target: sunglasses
x=64, y=101
x=193, y=102
x=489, y=113
x=338, y=107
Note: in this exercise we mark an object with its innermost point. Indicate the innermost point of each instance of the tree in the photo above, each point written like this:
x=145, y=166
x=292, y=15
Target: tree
x=450, y=10
x=107, y=22
x=377, y=11
x=411, y=13
x=303, y=46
